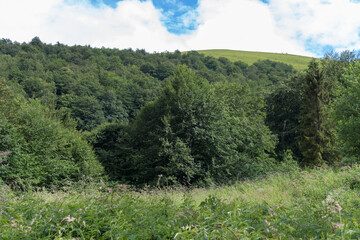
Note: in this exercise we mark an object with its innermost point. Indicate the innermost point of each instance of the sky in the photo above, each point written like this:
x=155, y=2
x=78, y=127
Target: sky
x=303, y=27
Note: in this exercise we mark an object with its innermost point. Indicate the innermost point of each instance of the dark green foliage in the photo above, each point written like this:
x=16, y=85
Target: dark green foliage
x=179, y=135
x=201, y=126
x=193, y=133
x=317, y=135
x=55, y=73
x=275, y=72
x=111, y=144
x=346, y=112
x=251, y=138
x=283, y=114
x=43, y=151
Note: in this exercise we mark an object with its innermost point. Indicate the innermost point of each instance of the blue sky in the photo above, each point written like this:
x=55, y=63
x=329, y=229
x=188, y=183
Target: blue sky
x=173, y=12
x=304, y=27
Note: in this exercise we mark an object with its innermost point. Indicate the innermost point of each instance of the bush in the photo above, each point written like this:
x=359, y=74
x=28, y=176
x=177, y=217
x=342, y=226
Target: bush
x=44, y=152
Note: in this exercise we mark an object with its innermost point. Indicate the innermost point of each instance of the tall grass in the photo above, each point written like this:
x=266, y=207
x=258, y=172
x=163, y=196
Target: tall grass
x=314, y=204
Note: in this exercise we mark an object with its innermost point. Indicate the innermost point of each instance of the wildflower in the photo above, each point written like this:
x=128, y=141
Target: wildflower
x=273, y=229
x=337, y=207
x=33, y=220
x=266, y=222
x=27, y=230
x=123, y=186
x=345, y=168
x=272, y=213
x=11, y=218
x=330, y=199
x=69, y=219
x=13, y=223
x=331, y=209
x=83, y=224
x=4, y=154
x=337, y=225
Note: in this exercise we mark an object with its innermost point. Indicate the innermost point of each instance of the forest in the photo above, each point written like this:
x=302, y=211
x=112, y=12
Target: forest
x=168, y=118
x=132, y=119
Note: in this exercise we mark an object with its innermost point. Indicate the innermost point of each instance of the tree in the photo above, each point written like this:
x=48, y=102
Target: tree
x=194, y=133
x=186, y=119
x=347, y=112
x=44, y=151
x=250, y=137
x=317, y=134
x=283, y=113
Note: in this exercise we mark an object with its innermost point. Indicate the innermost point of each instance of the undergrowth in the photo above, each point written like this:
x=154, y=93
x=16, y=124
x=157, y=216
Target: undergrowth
x=316, y=204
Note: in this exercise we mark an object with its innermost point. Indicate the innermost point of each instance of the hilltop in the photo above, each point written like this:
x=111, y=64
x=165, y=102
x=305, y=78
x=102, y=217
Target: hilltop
x=298, y=62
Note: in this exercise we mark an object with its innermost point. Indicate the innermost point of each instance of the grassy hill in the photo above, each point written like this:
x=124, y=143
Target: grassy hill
x=299, y=62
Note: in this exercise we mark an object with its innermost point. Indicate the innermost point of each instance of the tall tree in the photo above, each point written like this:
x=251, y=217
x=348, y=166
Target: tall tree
x=347, y=112
x=317, y=135
x=282, y=114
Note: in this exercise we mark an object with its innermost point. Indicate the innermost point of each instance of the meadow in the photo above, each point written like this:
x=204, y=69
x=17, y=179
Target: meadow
x=298, y=62
x=312, y=204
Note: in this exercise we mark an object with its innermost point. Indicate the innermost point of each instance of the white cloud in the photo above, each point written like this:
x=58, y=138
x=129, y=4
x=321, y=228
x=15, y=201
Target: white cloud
x=331, y=22
x=132, y=24
x=241, y=25
x=281, y=26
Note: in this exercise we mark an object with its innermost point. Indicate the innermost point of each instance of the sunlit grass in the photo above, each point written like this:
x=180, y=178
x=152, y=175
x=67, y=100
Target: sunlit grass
x=298, y=62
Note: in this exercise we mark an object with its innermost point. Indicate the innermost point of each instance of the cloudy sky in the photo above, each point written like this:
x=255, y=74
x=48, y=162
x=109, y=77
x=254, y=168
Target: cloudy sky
x=305, y=27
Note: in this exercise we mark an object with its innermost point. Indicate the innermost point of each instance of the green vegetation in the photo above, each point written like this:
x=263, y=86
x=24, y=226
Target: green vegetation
x=346, y=113
x=298, y=62
x=193, y=133
x=317, y=204
x=317, y=136
x=190, y=118
x=42, y=150
x=77, y=121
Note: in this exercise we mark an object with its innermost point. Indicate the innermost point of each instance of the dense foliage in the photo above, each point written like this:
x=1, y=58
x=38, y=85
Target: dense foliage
x=108, y=85
x=147, y=126
x=319, y=204
x=347, y=112
x=167, y=118
x=317, y=136
x=194, y=132
x=43, y=150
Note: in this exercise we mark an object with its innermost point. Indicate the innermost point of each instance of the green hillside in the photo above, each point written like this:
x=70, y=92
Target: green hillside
x=299, y=62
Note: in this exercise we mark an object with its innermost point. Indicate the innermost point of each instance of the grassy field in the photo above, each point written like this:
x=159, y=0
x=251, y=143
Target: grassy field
x=316, y=204
x=299, y=62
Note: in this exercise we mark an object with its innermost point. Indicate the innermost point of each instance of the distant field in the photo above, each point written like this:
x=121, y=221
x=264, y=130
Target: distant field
x=299, y=62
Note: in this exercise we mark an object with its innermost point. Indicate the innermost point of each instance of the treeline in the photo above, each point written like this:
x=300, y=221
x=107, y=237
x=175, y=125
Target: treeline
x=165, y=118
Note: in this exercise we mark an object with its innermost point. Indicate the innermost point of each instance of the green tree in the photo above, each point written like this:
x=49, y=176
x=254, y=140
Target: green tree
x=283, y=114
x=113, y=147
x=317, y=134
x=251, y=139
x=186, y=119
x=43, y=151
x=194, y=132
x=347, y=112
